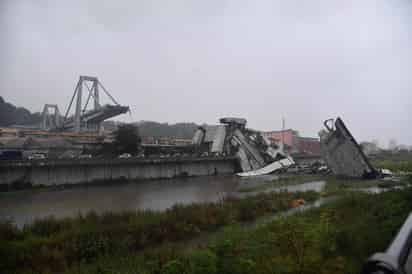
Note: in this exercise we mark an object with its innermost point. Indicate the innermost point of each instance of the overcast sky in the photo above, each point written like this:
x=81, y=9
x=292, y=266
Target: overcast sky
x=175, y=61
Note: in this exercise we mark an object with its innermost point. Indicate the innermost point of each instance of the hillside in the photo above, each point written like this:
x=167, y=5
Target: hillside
x=12, y=115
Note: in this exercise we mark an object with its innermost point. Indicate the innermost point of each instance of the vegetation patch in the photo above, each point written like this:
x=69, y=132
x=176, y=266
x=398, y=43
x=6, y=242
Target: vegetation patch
x=338, y=186
x=333, y=185
x=394, y=165
x=336, y=238
x=284, y=180
x=53, y=245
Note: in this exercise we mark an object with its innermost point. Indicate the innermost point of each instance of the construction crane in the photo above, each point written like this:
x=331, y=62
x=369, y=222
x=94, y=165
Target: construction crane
x=83, y=119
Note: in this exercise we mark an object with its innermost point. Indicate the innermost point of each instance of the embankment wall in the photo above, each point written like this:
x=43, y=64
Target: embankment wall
x=64, y=172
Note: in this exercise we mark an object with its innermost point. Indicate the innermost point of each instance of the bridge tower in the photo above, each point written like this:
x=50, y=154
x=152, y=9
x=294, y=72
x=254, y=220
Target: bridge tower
x=50, y=120
x=84, y=119
x=93, y=92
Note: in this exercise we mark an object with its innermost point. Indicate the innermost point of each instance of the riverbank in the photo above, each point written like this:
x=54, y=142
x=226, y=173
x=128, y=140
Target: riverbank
x=25, y=206
x=51, y=245
x=331, y=185
x=395, y=165
x=336, y=238
x=97, y=243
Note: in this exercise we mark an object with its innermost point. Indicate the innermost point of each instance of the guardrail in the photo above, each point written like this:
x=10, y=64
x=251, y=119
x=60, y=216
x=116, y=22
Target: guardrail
x=396, y=259
x=106, y=161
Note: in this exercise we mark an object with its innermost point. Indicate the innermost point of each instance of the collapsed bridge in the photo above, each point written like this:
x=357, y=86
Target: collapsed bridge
x=255, y=154
x=83, y=119
x=342, y=153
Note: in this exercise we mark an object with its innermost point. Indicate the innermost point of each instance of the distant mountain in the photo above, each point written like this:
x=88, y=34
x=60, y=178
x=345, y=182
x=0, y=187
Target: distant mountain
x=12, y=115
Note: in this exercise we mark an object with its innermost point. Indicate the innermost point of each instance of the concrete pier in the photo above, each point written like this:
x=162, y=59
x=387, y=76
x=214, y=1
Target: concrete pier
x=81, y=171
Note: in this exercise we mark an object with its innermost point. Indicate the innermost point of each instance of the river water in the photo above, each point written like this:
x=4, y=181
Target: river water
x=23, y=207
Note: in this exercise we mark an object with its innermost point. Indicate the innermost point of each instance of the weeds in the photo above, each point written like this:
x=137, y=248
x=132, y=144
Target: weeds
x=282, y=181
x=336, y=238
x=52, y=245
x=394, y=165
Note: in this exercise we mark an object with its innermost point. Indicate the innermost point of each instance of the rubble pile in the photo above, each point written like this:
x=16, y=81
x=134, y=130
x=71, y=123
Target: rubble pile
x=256, y=155
x=342, y=153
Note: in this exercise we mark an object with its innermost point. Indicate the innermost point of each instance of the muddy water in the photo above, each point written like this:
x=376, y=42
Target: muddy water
x=24, y=206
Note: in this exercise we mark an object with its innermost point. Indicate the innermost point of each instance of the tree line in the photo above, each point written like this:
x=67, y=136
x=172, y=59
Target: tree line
x=12, y=115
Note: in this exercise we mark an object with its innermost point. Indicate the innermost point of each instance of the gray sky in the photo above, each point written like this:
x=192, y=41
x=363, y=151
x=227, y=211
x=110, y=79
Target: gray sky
x=174, y=61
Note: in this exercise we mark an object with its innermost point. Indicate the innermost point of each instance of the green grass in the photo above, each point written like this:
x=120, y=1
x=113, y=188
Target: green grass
x=334, y=185
x=394, y=165
x=51, y=245
x=284, y=180
x=338, y=186
x=336, y=238
x=210, y=237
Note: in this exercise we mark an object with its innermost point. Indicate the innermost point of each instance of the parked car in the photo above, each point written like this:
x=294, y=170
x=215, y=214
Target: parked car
x=85, y=156
x=37, y=156
x=140, y=155
x=11, y=155
x=397, y=258
x=125, y=156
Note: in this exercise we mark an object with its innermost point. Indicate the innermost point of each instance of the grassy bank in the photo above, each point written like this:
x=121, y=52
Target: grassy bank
x=394, y=165
x=282, y=181
x=50, y=245
x=337, y=238
x=333, y=185
x=334, y=239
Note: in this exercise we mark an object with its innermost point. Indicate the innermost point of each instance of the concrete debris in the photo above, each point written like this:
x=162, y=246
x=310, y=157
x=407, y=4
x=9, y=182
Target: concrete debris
x=342, y=153
x=386, y=172
x=255, y=153
x=219, y=140
x=314, y=168
x=277, y=165
x=199, y=136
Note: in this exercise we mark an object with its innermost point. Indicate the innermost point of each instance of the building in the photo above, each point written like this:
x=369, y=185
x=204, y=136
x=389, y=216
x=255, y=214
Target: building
x=52, y=147
x=182, y=142
x=309, y=145
x=293, y=142
x=288, y=137
x=8, y=132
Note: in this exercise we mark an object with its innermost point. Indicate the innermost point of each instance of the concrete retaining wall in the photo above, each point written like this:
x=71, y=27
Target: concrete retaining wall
x=89, y=171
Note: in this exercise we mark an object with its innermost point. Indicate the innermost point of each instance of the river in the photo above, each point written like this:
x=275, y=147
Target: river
x=23, y=207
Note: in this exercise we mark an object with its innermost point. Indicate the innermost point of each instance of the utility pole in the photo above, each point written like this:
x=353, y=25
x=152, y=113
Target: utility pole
x=283, y=135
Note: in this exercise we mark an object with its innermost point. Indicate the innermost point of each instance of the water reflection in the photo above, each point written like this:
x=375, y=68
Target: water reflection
x=377, y=189
x=25, y=206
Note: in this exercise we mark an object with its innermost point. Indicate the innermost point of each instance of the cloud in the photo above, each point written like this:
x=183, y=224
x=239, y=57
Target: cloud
x=197, y=61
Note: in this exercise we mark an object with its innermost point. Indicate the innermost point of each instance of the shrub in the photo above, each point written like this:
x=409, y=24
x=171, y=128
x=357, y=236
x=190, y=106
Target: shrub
x=202, y=262
x=173, y=267
x=54, y=245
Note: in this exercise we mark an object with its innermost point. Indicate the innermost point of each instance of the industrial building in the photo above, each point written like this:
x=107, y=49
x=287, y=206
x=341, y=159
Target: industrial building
x=293, y=142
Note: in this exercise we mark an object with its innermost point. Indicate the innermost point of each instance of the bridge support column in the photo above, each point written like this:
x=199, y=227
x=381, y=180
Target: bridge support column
x=77, y=115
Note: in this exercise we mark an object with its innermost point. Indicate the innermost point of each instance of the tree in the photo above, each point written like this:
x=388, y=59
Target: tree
x=127, y=139
x=11, y=115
